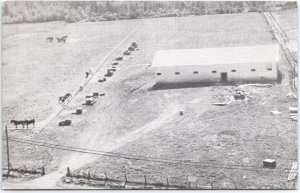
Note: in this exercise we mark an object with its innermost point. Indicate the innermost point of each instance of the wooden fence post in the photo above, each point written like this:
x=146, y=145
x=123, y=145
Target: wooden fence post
x=190, y=185
x=125, y=179
x=89, y=175
x=211, y=185
x=43, y=170
x=167, y=183
x=7, y=151
x=145, y=182
x=105, y=178
x=68, y=172
x=25, y=168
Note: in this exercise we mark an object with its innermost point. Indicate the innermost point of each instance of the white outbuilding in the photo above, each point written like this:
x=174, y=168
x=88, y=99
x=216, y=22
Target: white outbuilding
x=223, y=64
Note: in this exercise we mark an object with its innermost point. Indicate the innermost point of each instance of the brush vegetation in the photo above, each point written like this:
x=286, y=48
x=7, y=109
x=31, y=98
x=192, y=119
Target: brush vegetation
x=93, y=11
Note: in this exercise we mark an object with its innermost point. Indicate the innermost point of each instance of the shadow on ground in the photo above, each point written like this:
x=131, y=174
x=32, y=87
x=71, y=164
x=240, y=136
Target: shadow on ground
x=165, y=86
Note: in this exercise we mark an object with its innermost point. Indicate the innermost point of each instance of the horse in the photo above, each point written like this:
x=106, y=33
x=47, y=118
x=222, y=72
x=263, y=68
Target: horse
x=67, y=95
x=62, y=39
x=28, y=122
x=63, y=98
x=50, y=39
x=88, y=73
x=18, y=123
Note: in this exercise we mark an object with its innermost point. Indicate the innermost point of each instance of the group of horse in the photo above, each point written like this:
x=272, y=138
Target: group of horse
x=62, y=99
x=61, y=39
x=24, y=122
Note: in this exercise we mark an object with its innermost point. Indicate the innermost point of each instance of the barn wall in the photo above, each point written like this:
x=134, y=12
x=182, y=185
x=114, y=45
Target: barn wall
x=243, y=73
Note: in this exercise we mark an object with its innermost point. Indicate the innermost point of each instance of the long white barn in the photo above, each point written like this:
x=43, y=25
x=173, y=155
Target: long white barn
x=242, y=63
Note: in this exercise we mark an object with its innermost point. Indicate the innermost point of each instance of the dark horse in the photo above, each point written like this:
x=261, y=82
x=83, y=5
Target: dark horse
x=18, y=123
x=50, y=39
x=63, y=98
x=28, y=122
x=62, y=39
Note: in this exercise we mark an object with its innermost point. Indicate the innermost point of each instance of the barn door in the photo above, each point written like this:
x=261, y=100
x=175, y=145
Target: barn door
x=223, y=76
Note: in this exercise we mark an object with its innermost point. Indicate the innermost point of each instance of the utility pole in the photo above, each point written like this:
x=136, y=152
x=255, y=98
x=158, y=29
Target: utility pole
x=7, y=151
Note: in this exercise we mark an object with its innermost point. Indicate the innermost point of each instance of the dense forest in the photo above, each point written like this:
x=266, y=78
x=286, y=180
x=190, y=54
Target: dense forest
x=93, y=11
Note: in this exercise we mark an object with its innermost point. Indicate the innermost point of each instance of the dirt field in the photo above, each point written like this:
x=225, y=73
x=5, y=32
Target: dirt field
x=133, y=118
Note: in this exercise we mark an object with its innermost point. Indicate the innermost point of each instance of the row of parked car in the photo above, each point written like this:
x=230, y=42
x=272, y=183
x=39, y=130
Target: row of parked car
x=90, y=100
x=117, y=60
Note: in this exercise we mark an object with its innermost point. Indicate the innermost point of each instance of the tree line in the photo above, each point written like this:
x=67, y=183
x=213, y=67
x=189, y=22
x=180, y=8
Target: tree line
x=93, y=11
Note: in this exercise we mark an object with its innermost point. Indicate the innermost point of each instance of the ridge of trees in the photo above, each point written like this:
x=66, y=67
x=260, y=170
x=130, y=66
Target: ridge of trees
x=93, y=11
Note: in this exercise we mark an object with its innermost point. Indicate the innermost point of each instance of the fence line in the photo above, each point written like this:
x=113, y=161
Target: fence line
x=24, y=170
x=89, y=179
x=94, y=180
x=280, y=36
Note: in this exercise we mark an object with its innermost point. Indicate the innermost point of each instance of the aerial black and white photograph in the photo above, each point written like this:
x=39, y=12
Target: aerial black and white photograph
x=149, y=95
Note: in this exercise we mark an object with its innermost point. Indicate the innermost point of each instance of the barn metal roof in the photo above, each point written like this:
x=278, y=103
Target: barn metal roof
x=221, y=55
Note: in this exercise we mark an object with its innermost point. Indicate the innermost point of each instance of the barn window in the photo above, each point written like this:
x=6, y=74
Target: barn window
x=158, y=74
x=233, y=70
x=177, y=73
x=268, y=67
x=195, y=72
x=214, y=71
x=253, y=70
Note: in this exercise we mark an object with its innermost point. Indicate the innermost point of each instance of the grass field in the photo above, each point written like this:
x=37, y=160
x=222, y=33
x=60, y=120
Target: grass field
x=288, y=20
x=134, y=119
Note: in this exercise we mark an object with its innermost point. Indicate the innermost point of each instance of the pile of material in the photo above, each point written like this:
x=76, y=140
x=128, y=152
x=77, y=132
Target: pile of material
x=239, y=94
x=293, y=113
x=293, y=172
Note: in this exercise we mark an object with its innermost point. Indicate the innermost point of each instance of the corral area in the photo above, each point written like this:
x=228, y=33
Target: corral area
x=220, y=146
